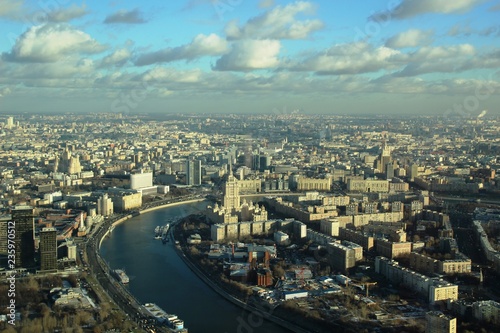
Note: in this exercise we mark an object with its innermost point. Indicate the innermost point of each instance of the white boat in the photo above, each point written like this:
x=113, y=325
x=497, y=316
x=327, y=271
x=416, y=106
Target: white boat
x=165, y=230
x=158, y=232
x=164, y=234
x=162, y=317
x=121, y=276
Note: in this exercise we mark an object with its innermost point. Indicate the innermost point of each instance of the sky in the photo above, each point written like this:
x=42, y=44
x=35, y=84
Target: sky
x=401, y=57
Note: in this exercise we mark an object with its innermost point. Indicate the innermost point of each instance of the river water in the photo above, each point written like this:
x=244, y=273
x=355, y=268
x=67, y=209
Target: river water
x=158, y=275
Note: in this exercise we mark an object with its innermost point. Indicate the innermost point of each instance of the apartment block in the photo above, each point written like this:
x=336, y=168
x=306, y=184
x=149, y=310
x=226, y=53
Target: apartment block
x=392, y=249
x=438, y=322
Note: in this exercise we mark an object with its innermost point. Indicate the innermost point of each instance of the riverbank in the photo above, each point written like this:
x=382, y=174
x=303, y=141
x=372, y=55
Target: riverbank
x=255, y=314
x=144, y=211
x=112, y=286
x=172, y=204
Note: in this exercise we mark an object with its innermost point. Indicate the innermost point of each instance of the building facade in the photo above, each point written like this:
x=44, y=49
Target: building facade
x=48, y=249
x=438, y=322
x=24, y=239
x=193, y=172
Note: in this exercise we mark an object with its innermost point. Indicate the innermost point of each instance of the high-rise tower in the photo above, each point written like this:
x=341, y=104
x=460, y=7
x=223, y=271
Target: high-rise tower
x=384, y=158
x=22, y=216
x=231, y=199
x=193, y=172
x=48, y=249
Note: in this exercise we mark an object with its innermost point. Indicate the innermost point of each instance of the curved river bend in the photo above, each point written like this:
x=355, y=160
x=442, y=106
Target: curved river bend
x=158, y=275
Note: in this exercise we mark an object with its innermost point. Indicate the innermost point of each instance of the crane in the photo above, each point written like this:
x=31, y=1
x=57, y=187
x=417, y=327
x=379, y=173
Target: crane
x=365, y=285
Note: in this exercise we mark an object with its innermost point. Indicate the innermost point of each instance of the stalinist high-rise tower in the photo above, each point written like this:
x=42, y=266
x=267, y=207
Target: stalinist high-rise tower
x=231, y=199
x=384, y=158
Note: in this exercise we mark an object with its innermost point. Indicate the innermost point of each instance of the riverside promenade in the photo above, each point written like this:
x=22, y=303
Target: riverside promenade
x=256, y=313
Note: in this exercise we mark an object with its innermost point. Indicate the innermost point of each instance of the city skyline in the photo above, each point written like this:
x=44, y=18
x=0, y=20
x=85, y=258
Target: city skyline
x=431, y=57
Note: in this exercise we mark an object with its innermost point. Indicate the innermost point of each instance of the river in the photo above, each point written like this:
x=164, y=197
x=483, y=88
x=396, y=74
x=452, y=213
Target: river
x=158, y=275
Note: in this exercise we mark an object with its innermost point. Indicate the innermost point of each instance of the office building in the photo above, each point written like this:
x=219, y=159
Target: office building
x=71, y=250
x=24, y=239
x=256, y=162
x=265, y=163
x=313, y=184
x=193, y=172
x=389, y=171
x=4, y=221
x=9, y=123
x=48, y=249
x=368, y=185
x=413, y=172
x=141, y=180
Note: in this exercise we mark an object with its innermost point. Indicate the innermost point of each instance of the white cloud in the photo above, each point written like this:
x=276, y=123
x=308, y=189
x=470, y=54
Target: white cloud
x=278, y=23
x=410, y=38
x=354, y=58
x=466, y=30
x=133, y=16
x=201, y=45
x=51, y=42
x=439, y=59
x=117, y=58
x=434, y=53
x=70, y=69
x=163, y=74
x=67, y=14
x=250, y=54
x=411, y=8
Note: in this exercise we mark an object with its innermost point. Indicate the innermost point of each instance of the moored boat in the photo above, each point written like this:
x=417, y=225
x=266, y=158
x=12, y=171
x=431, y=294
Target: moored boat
x=121, y=276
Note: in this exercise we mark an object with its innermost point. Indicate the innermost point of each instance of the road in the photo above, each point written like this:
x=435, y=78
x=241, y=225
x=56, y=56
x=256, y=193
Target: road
x=101, y=271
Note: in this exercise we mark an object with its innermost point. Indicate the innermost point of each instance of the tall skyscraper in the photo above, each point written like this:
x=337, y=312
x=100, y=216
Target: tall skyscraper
x=413, y=171
x=389, y=171
x=25, y=235
x=71, y=250
x=105, y=205
x=256, y=162
x=265, y=162
x=10, y=122
x=384, y=158
x=193, y=172
x=4, y=220
x=48, y=249
x=68, y=163
x=231, y=199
